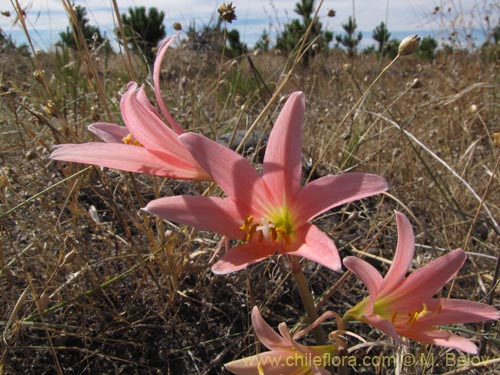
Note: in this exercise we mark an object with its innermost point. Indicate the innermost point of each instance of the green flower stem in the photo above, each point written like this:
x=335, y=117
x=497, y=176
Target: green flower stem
x=307, y=299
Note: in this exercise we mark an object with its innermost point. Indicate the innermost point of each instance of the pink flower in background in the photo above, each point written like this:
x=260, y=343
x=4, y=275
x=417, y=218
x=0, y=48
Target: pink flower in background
x=267, y=213
x=286, y=356
x=401, y=306
x=145, y=145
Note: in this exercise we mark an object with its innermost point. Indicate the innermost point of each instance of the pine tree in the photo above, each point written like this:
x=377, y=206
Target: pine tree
x=427, y=47
x=91, y=34
x=236, y=47
x=263, y=42
x=350, y=40
x=295, y=30
x=144, y=30
x=382, y=36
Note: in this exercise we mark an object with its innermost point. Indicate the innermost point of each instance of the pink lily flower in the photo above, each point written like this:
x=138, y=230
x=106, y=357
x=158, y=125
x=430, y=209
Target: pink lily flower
x=286, y=355
x=145, y=145
x=267, y=213
x=401, y=306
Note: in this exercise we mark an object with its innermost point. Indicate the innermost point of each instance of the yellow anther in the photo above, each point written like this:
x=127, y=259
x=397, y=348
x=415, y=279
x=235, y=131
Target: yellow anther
x=129, y=140
x=416, y=315
x=412, y=318
x=393, y=318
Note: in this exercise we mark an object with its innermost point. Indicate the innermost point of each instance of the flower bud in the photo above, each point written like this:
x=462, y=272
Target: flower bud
x=177, y=26
x=409, y=45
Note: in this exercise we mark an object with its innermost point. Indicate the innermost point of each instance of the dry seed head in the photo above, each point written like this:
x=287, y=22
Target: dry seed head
x=227, y=12
x=409, y=45
x=416, y=83
x=496, y=139
x=177, y=26
x=50, y=108
x=38, y=75
x=331, y=13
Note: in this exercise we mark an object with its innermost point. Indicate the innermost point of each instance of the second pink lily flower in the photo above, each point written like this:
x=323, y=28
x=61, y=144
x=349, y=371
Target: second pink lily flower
x=405, y=306
x=268, y=213
x=285, y=356
x=145, y=145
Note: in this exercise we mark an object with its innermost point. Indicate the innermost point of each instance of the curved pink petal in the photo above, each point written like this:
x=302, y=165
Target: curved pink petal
x=240, y=257
x=207, y=213
x=317, y=247
x=366, y=273
x=147, y=127
x=233, y=173
x=143, y=99
x=458, y=311
x=442, y=338
x=292, y=344
x=402, y=258
x=383, y=325
x=156, y=81
x=126, y=158
x=109, y=133
x=331, y=191
x=266, y=335
x=422, y=284
x=308, y=351
x=282, y=167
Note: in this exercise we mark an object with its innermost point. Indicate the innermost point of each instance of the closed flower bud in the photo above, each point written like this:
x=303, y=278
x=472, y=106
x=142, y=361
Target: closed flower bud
x=409, y=45
x=177, y=26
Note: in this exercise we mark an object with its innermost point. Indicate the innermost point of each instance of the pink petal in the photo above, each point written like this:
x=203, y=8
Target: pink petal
x=147, y=127
x=240, y=257
x=403, y=257
x=459, y=311
x=282, y=167
x=310, y=351
x=266, y=335
x=156, y=80
x=422, y=284
x=317, y=247
x=441, y=338
x=207, y=213
x=126, y=158
x=109, y=133
x=233, y=173
x=383, y=325
x=332, y=191
x=366, y=273
x=143, y=99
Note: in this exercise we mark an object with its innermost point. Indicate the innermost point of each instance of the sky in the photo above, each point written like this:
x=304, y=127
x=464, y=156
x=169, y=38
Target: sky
x=46, y=18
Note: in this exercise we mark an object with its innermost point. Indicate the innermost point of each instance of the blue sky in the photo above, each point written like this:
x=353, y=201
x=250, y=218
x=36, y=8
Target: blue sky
x=46, y=18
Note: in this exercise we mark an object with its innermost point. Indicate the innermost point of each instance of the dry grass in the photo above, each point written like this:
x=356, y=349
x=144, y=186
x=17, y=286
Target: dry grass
x=93, y=285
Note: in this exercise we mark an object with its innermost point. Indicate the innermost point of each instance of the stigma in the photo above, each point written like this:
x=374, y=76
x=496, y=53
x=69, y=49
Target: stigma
x=264, y=232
